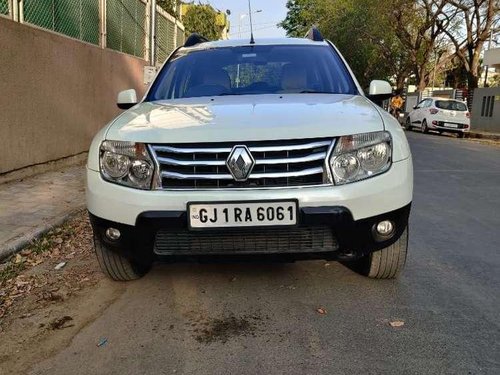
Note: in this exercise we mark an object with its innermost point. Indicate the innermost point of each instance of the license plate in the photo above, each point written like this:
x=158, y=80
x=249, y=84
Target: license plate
x=448, y=125
x=242, y=214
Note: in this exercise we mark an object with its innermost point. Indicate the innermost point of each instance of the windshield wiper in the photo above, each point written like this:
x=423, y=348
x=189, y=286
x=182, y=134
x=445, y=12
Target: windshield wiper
x=315, y=92
x=230, y=93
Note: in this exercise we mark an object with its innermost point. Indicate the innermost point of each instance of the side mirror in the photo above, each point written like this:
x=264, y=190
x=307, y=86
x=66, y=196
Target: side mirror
x=415, y=107
x=126, y=99
x=379, y=90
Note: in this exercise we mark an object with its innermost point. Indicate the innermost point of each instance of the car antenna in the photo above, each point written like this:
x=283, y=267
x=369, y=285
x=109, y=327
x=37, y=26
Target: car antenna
x=252, y=40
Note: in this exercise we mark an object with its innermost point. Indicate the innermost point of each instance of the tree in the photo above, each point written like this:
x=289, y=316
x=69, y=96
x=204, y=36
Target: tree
x=363, y=24
x=419, y=26
x=168, y=5
x=201, y=19
x=298, y=17
x=477, y=19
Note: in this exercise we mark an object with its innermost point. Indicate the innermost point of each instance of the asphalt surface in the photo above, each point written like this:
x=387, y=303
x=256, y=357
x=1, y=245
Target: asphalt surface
x=263, y=319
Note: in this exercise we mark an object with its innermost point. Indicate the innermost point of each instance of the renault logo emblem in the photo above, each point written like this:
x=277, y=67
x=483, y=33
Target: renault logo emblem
x=240, y=163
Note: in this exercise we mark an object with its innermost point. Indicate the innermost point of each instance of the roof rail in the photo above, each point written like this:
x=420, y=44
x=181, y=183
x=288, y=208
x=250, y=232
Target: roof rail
x=195, y=39
x=314, y=34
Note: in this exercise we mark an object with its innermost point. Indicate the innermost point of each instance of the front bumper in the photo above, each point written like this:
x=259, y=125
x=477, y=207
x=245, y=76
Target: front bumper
x=387, y=192
x=461, y=128
x=348, y=211
x=352, y=238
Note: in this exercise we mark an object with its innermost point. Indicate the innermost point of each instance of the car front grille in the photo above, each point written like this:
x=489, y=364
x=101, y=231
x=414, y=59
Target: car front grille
x=277, y=164
x=243, y=241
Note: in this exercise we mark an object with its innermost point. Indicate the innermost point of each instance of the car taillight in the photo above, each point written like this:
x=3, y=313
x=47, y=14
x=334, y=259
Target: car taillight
x=466, y=126
x=434, y=122
x=433, y=111
x=467, y=114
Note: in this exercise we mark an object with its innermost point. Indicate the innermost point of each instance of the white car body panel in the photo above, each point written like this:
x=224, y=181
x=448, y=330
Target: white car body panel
x=246, y=118
x=377, y=195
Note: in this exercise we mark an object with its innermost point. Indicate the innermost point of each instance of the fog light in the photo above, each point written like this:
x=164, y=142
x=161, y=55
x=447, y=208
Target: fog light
x=113, y=234
x=385, y=228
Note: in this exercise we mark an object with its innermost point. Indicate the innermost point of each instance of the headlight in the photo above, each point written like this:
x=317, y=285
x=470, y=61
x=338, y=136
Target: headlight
x=360, y=156
x=126, y=163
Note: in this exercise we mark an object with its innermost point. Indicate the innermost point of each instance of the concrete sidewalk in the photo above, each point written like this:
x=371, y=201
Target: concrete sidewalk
x=34, y=205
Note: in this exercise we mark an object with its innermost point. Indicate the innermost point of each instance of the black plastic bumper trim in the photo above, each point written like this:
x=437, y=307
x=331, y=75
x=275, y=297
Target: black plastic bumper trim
x=355, y=237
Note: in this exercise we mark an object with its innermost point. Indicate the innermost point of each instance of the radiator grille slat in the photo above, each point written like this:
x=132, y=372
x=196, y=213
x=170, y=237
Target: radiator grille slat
x=277, y=164
x=238, y=241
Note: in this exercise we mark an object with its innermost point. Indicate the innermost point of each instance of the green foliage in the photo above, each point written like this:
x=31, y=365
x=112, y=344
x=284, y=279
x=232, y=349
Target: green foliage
x=201, y=19
x=361, y=29
x=168, y=6
x=300, y=14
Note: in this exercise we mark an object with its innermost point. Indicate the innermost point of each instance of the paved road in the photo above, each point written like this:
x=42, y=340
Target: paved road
x=260, y=319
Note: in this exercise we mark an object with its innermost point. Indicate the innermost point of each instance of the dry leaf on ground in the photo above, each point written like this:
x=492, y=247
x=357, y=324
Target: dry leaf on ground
x=321, y=310
x=396, y=323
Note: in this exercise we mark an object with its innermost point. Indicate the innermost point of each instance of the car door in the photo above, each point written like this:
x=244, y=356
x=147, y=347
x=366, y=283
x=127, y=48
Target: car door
x=417, y=114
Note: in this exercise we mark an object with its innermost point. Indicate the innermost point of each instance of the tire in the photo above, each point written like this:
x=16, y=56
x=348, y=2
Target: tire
x=408, y=123
x=424, y=127
x=115, y=266
x=461, y=135
x=387, y=263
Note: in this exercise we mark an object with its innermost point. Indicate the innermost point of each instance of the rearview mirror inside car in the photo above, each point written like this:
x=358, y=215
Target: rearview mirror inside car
x=126, y=99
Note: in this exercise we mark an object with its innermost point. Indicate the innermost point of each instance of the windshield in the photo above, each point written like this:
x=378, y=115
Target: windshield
x=246, y=70
x=451, y=105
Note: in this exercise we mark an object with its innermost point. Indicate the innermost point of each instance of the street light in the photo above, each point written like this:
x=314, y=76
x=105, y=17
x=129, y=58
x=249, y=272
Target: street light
x=243, y=15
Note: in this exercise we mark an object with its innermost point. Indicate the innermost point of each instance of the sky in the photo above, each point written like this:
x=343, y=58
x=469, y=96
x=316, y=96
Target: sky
x=273, y=11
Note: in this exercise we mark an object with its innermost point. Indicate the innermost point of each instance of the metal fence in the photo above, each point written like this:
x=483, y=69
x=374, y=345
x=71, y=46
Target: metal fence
x=165, y=35
x=75, y=18
x=5, y=7
x=126, y=26
x=121, y=25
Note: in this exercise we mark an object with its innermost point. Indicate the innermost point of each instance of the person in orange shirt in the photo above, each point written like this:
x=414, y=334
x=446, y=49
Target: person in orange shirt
x=396, y=104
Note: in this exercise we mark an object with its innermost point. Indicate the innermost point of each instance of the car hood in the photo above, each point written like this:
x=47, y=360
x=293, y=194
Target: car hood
x=246, y=118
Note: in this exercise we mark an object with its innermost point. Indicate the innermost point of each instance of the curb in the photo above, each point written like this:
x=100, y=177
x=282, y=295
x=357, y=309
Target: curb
x=490, y=136
x=19, y=243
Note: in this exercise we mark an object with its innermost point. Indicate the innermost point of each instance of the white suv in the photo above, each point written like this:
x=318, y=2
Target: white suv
x=242, y=150
x=440, y=114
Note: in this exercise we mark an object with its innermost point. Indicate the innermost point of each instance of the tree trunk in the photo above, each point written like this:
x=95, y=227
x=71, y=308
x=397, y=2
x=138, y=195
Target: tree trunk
x=472, y=80
x=400, y=81
x=421, y=82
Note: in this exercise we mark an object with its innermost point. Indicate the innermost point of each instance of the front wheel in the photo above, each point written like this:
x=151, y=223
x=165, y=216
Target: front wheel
x=387, y=263
x=116, y=266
